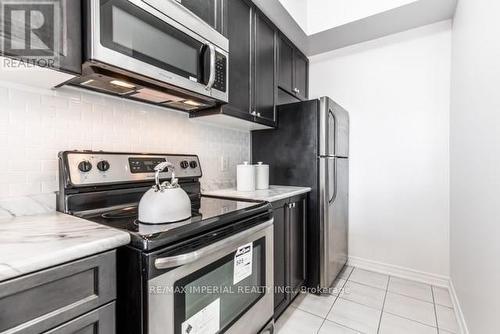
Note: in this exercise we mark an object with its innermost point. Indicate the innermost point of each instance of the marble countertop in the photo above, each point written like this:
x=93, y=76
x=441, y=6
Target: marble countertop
x=32, y=243
x=274, y=193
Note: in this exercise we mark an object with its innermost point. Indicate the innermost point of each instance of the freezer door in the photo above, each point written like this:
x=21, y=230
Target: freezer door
x=334, y=129
x=334, y=206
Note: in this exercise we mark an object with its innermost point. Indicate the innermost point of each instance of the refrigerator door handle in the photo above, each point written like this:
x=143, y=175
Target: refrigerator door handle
x=334, y=195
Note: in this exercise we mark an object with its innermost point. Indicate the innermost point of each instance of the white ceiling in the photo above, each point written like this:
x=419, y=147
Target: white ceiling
x=315, y=16
x=318, y=26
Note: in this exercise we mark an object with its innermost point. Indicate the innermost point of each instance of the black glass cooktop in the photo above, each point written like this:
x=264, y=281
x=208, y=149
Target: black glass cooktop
x=209, y=213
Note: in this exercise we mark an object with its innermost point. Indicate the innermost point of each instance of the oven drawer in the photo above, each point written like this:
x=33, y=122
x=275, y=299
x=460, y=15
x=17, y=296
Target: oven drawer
x=41, y=301
x=100, y=321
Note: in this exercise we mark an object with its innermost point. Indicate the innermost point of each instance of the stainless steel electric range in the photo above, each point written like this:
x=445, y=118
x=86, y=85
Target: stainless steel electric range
x=212, y=273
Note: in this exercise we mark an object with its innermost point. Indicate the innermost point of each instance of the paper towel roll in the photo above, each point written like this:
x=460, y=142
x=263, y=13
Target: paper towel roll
x=245, y=177
x=261, y=176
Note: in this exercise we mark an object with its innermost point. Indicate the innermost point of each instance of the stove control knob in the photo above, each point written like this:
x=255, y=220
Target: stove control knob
x=85, y=166
x=193, y=164
x=103, y=165
x=184, y=164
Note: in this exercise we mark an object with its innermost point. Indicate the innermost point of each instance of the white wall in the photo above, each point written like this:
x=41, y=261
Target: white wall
x=327, y=14
x=475, y=163
x=397, y=92
x=36, y=124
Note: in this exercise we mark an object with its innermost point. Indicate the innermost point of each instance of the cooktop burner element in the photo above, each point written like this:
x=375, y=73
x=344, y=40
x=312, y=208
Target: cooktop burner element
x=129, y=212
x=111, y=196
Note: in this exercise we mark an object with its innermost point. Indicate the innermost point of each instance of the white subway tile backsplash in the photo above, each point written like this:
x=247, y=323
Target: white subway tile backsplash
x=36, y=124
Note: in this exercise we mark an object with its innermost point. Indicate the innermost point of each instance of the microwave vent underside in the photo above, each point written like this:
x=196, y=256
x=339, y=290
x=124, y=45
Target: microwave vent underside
x=140, y=89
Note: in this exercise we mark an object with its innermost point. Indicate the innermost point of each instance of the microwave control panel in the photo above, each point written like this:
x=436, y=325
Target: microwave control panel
x=220, y=72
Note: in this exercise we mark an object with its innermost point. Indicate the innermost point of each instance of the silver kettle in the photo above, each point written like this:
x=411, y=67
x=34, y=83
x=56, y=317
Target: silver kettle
x=164, y=203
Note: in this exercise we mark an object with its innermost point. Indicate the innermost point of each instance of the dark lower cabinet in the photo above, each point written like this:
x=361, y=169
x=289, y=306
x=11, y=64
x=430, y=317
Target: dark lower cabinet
x=280, y=257
x=289, y=251
x=296, y=218
x=100, y=321
x=76, y=297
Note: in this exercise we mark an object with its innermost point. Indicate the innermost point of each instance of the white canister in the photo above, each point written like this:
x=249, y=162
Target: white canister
x=245, y=177
x=261, y=176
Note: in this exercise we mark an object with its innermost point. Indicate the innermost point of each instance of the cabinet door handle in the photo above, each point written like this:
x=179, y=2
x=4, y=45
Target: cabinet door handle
x=296, y=90
x=258, y=114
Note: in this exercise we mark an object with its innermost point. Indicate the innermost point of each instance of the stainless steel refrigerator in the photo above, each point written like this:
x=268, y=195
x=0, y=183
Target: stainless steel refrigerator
x=311, y=148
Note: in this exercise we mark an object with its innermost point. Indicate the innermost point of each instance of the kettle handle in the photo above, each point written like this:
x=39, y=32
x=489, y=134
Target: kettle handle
x=159, y=168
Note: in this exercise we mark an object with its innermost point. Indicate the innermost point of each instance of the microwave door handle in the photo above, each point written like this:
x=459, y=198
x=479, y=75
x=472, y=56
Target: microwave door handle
x=230, y=243
x=211, y=78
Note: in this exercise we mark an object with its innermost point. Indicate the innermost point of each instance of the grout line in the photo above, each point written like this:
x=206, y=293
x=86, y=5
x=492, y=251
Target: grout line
x=331, y=307
x=412, y=320
x=397, y=293
x=435, y=308
x=324, y=319
x=370, y=286
x=414, y=298
x=317, y=316
x=344, y=326
x=355, y=302
x=336, y=297
x=383, y=305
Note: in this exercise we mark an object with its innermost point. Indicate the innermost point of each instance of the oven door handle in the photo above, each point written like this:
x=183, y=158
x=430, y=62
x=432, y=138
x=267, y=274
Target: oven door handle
x=232, y=241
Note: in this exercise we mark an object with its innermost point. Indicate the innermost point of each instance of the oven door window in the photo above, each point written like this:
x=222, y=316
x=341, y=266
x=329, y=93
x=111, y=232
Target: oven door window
x=211, y=290
x=130, y=30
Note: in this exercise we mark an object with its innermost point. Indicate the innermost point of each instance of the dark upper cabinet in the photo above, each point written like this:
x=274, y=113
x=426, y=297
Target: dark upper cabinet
x=264, y=69
x=71, y=53
x=301, y=77
x=293, y=70
x=240, y=52
x=285, y=77
x=210, y=11
x=289, y=250
x=252, y=66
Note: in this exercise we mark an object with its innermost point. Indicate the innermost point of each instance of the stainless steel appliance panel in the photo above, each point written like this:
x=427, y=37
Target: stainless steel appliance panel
x=336, y=235
x=161, y=305
x=179, y=12
x=334, y=213
x=334, y=129
x=120, y=167
x=97, y=52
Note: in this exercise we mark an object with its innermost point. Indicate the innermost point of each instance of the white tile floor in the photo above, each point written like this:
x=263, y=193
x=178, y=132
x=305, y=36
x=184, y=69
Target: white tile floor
x=372, y=303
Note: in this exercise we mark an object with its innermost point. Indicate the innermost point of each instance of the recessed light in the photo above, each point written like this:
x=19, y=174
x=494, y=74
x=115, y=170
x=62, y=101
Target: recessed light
x=123, y=84
x=192, y=103
x=85, y=83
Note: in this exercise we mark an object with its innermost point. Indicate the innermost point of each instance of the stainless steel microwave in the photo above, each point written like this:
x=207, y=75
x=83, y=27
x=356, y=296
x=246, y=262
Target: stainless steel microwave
x=154, y=50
